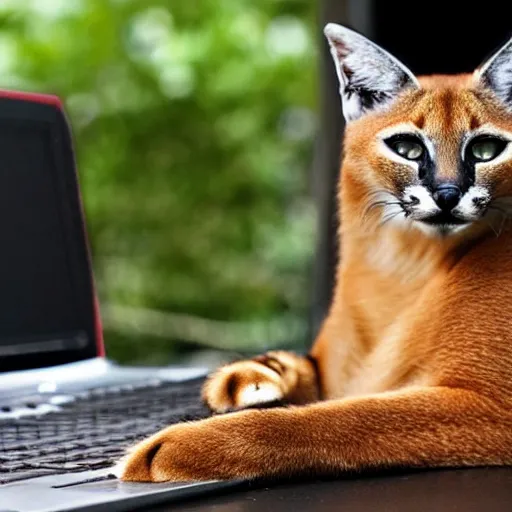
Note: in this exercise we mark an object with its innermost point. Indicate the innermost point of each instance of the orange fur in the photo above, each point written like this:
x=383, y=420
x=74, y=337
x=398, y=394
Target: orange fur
x=413, y=364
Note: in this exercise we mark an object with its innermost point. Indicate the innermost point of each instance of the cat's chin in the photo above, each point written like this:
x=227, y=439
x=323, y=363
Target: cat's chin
x=432, y=227
x=439, y=229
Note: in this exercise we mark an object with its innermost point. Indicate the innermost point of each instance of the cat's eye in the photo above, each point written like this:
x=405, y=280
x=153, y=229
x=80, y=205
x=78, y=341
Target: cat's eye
x=407, y=147
x=485, y=149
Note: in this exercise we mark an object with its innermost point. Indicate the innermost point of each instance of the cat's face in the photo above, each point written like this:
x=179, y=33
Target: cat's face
x=432, y=153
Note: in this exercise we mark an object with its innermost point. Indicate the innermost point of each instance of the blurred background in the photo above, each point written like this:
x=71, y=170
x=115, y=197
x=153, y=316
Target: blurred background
x=194, y=124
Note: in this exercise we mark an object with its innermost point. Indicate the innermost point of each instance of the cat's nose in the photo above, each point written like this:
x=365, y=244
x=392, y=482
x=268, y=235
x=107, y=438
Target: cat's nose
x=447, y=196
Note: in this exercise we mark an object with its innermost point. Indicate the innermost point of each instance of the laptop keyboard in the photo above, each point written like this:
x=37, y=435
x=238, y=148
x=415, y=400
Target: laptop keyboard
x=93, y=430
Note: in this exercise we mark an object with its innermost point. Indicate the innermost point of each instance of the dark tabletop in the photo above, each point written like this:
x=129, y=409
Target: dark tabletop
x=469, y=490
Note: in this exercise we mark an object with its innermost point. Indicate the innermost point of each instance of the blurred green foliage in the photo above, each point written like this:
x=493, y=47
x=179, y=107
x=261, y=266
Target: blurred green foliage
x=193, y=123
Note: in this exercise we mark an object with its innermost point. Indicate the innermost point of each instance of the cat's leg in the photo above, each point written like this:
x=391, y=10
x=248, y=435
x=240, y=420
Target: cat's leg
x=279, y=376
x=417, y=427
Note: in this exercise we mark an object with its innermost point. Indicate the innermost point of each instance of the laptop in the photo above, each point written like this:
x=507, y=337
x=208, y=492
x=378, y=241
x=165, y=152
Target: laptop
x=67, y=413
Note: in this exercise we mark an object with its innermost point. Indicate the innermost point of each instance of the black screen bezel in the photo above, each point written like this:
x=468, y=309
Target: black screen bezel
x=72, y=221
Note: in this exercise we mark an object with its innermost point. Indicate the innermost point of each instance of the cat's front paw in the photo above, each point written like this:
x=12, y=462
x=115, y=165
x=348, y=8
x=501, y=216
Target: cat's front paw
x=222, y=447
x=266, y=379
x=171, y=455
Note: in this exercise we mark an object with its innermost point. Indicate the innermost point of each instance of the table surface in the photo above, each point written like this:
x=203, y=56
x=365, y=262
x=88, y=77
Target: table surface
x=468, y=490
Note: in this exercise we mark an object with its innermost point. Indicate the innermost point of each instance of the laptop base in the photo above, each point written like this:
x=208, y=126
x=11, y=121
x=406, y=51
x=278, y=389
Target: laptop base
x=61, y=493
x=63, y=428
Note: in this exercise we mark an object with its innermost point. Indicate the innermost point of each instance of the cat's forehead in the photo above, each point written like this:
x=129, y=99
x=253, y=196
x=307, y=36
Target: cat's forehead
x=448, y=106
x=442, y=82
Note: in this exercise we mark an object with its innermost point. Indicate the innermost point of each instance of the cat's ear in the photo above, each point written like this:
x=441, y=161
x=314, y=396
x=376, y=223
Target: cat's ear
x=370, y=78
x=495, y=74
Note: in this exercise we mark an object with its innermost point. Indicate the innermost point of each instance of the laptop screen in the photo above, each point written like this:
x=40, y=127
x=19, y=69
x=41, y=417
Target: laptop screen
x=45, y=284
